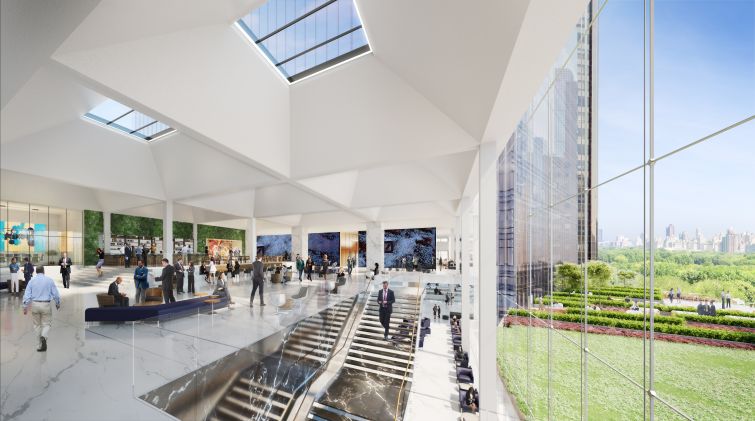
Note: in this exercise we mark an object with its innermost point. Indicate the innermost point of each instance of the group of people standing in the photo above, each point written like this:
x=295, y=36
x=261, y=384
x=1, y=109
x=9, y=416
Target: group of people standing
x=308, y=266
x=725, y=299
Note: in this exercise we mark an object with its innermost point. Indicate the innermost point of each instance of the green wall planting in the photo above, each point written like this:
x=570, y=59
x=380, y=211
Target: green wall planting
x=93, y=229
x=182, y=230
x=135, y=226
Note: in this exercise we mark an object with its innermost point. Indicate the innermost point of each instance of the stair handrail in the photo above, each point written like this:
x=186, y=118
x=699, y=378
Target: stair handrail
x=333, y=353
x=418, y=306
x=324, y=363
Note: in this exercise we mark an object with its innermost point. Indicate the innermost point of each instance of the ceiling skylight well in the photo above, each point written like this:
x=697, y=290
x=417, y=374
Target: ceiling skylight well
x=302, y=37
x=126, y=119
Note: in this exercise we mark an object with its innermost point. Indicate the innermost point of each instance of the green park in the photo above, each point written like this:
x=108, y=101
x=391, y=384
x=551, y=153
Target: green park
x=696, y=356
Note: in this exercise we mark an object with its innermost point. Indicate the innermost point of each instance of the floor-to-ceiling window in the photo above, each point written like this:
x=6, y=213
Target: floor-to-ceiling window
x=626, y=236
x=39, y=232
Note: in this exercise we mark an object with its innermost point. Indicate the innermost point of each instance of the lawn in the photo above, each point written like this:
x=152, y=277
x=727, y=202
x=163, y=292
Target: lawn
x=703, y=382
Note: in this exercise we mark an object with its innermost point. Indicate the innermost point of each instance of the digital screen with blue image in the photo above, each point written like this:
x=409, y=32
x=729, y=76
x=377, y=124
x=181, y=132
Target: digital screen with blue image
x=324, y=243
x=22, y=237
x=362, y=254
x=274, y=245
x=405, y=244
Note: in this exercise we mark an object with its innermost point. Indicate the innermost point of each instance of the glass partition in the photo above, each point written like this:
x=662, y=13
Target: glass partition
x=621, y=235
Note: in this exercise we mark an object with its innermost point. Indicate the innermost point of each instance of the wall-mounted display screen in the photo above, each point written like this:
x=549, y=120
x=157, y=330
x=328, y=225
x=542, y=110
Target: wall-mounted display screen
x=362, y=259
x=274, y=245
x=403, y=245
x=325, y=243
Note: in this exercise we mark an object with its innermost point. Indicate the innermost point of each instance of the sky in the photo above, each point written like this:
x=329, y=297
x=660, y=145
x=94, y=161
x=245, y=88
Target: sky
x=704, y=81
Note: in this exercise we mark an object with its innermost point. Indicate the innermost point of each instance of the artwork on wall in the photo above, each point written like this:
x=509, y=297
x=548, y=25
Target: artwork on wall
x=274, y=245
x=325, y=243
x=362, y=258
x=220, y=248
x=408, y=243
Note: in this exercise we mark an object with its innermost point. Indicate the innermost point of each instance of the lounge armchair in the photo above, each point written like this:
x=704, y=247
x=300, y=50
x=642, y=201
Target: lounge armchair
x=463, y=401
x=464, y=375
x=105, y=300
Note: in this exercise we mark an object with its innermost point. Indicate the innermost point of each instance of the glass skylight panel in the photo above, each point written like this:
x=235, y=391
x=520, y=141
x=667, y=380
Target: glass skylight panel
x=118, y=116
x=302, y=37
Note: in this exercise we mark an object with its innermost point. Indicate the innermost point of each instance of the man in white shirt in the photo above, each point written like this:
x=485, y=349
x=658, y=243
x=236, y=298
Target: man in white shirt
x=39, y=294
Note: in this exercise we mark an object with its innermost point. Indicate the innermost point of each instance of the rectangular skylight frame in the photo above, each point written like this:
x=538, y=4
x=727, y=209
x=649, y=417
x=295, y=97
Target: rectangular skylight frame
x=142, y=127
x=317, y=49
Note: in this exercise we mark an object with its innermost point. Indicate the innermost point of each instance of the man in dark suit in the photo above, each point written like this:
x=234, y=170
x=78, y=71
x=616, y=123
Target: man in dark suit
x=127, y=253
x=179, y=266
x=121, y=299
x=166, y=277
x=258, y=279
x=385, y=299
x=65, y=269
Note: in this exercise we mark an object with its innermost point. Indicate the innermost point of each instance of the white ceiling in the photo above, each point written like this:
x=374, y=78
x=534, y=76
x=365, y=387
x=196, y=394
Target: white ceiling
x=392, y=136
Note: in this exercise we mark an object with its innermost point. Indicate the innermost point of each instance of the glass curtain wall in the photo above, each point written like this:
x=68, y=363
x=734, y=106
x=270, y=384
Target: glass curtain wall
x=626, y=244
x=40, y=232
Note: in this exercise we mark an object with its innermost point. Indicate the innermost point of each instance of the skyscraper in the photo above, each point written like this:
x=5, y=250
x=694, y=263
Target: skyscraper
x=670, y=231
x=547, y=160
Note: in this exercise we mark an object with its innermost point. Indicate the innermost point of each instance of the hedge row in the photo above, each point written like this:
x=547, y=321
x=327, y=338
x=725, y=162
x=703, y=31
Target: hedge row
x=718, y=320
x=663, y=307
x=578, y=302
x=606, y=294
x=627, y=316
x=726, y=335
x=735, y=313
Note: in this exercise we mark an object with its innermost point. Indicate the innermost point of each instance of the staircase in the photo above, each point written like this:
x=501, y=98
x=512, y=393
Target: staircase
x=373, y=361
x=266, y=390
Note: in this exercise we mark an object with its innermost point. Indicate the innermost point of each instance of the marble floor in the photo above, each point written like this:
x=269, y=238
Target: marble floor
x=97, y=372
x=434, y=389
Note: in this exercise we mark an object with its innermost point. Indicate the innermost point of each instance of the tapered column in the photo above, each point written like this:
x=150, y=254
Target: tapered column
x=487, y=285
x=195, y=237
x=299, y=242
x=465, y=223
x=106, y=234
x=251, y=238
x=375, y=245
x=168, y=231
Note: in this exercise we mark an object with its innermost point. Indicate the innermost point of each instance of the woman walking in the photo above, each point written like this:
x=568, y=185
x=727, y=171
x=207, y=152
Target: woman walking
x=213, y=270
x=309, y=265
x=100, y=261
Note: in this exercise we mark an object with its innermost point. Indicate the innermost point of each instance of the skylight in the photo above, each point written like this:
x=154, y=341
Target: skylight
x=303, y=37
x=126, y=119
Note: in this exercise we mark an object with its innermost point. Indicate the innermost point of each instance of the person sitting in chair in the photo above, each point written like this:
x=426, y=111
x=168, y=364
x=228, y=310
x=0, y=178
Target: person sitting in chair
x=120, y=298
x=472, y=399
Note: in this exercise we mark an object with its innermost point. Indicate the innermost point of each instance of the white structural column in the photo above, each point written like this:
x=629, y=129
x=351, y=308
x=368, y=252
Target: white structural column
x=106, y=234
x=465, y=224
x=168, y=231
x=299, y=242
x=195, y=238
x=250, y=234
x=487, y=284
x=375, y=245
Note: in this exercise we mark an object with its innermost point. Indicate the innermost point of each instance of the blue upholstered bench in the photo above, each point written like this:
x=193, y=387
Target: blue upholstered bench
x=159, y=312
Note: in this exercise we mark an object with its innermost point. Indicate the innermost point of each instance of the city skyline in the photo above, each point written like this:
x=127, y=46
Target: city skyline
x=701, y=81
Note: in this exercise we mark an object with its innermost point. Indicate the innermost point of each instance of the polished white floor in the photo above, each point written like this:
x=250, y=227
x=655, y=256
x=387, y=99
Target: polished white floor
x=434, y=389
x=96, y=372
